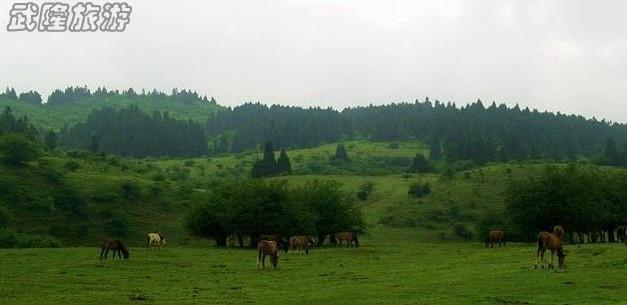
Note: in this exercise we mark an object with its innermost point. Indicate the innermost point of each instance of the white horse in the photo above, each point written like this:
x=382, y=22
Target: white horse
x=155, y=240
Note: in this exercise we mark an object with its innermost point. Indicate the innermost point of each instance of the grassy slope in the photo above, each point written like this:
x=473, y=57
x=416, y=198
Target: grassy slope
x=393, y=266
x=430, y=215
x=57, y=116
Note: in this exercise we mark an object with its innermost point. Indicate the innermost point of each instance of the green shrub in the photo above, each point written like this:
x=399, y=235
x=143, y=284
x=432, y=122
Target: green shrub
x=130, y=190
x=419, y=189
x=116, y=226
x=189, y=163
x=16, y=149
x=463, y=165
x=462, y=231
x=158, y=177
x=364, y=190
x=13, y=239
x=72, y=165
x=5, y=217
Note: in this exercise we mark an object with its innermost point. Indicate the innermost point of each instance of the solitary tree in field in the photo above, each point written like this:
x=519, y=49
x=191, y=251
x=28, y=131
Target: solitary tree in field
x=419, y=164
x=340, y=153
x=283, y=163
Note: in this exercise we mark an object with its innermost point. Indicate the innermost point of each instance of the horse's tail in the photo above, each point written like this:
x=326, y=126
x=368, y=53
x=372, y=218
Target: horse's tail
x=356, y=240
x=259, y=254
x=147, y=242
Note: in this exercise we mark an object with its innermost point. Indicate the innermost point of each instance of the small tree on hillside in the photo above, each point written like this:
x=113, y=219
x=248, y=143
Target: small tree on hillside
x=50, y=140
x=283, y=163
x=419, y=164
x=340, y=153
x=267, y=166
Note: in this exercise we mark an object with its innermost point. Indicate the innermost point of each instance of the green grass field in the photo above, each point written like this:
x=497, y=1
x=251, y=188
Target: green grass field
x=414, y=259
x=391, y=267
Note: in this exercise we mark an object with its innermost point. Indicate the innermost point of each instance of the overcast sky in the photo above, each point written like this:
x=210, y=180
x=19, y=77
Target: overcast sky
x=568, y=56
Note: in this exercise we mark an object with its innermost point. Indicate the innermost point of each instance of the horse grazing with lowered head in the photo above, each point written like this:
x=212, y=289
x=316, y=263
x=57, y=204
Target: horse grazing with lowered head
x=281, y=242
x=155, y=240
x=495, y=237
x=267, y=248
x=301, y=243
x=349, y=237
x=554, y=243
x=114, y=245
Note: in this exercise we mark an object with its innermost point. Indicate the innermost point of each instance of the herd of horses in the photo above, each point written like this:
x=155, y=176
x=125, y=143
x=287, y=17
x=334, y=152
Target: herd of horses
x=552, y=241
x=269, y=245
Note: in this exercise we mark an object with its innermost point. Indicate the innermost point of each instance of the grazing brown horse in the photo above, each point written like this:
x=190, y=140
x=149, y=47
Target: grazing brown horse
x=349, y=237
x=275, y=237
x=495, y=237
x=115, y=245
x=265, y=248
x=301, y=243
x=552, y=241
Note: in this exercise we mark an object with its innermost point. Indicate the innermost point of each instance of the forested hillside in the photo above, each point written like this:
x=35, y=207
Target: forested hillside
x=131, y=132
x=471, y=132
x=67, y=107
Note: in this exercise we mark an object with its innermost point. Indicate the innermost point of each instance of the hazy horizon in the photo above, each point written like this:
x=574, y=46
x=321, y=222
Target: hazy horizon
x=566, y=56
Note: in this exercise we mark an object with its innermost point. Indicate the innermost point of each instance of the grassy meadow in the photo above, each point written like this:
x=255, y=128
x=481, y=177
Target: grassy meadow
x=411, y=255
x=391, y=267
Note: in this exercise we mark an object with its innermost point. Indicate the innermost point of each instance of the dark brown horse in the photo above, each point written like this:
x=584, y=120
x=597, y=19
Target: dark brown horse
x=554, y=242
x=350, y=238
x=267, y=248
x=495, y=237
x=281, y=242
x=301, y=243
x=115, y=245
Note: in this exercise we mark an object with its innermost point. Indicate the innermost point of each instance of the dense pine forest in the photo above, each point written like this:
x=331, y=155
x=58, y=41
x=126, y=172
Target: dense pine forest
x=130, y=132
x=472, y=132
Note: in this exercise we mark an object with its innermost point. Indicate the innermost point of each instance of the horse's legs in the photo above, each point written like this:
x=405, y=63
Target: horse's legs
x=263, y=261
x=101, y=252
x=106, y=252
x=551, y=261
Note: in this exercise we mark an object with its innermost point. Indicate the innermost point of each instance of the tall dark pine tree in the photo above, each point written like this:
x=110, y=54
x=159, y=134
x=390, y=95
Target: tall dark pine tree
x=268, y=153
x=10, y=94
x=611, y=153
x=94, y=143
x=283, y=163
x=50, y=140
x=623, y=158
x=340, y=153
x=419, y=164
x=434, y=148
x=267, y=166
